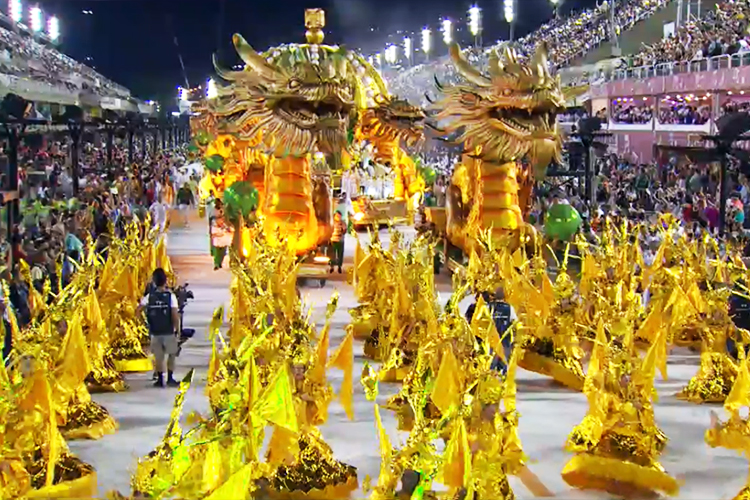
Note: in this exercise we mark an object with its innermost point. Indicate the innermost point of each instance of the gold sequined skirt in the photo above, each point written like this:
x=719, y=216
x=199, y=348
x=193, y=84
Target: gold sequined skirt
x=315, y=475
x=74, y=479
x=617, y=477
x=714, y=379
x=88, y=420
x=744, y=494
x=563, y=369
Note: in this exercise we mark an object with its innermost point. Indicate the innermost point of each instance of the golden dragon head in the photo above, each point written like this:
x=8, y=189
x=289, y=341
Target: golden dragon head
x=393, y=120
x=507, y=114
x=299, y=98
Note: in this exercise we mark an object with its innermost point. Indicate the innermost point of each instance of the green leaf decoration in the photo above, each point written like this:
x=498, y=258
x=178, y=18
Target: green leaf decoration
x=215, y=163
x=241, y=198
x=202, y=138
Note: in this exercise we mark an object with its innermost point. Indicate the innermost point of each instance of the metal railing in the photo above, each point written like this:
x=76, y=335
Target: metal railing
x=681, y=67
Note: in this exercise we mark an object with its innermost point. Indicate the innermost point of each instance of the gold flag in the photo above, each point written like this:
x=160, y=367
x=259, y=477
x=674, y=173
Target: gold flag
x=275, y=405
x=447, y=389
x=343, y=359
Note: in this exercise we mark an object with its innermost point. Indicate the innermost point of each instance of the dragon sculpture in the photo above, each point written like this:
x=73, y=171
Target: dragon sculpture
x=506, y=122
x=286, y=105
x=389, y=125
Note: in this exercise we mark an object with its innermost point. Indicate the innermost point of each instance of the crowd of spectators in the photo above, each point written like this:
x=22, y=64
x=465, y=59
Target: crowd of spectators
x=688, y=191
x=22, y=56
x=632, y=112
x=567, y=38
x=55, y=227
x=571, y=37
x=722, y=31
x=684, y=113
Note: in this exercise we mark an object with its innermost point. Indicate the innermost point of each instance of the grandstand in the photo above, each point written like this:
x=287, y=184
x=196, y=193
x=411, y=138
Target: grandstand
x=570, y=41
x=32, y=67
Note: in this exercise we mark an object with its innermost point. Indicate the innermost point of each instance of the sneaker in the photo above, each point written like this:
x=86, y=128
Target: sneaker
x=172, y=383
x=155, y=376
x=339, y=270
x=159, y=383
x=330, y=271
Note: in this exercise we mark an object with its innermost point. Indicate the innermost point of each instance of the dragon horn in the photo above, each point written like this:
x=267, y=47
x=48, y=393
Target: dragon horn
x=539, y=61
x=496, y=65
x=255, y=61
x=226, y=75
x=467, y=70
x=509, y=55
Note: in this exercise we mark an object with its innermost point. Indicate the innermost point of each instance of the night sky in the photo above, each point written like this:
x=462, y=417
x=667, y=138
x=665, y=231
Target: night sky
x=132, y=41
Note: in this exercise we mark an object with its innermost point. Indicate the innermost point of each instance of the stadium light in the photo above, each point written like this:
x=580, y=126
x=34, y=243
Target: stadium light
x=426, y=41
x=447, y=31
x=15, y=9
x=407, y=49
x=475, y=20
x=183, y=94
x=53, y=28
x=509, y=8
x=211, y=90
x=35, y=19
x=391, y=54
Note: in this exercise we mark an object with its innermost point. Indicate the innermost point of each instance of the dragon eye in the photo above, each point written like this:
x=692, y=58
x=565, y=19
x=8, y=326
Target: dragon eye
x=507, y=92
x=293, y=84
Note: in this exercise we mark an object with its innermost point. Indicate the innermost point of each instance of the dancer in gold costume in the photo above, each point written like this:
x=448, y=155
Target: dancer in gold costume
x=734, y=434
x=617, y=444
x=270, y=373
x=34, y=459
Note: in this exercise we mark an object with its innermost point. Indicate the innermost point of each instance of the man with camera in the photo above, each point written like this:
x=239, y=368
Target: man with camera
x=162, y=316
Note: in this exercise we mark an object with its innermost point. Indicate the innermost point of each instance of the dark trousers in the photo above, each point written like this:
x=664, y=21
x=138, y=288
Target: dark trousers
x=337, y=254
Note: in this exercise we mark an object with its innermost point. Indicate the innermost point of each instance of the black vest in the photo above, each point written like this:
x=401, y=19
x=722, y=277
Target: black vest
x=159, y=313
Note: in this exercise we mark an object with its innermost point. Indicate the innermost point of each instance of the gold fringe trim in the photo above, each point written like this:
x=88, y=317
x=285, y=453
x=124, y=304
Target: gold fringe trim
x=543, y=365
x=617, y=477
x=83, y=487
x=134, y=365
x=94, y=431
x=119, y=386
x=332, y=492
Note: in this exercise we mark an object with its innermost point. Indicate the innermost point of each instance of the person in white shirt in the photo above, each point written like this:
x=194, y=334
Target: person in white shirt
x=158, y=211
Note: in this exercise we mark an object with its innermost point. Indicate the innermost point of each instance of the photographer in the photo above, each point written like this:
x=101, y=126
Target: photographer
x=163, y=321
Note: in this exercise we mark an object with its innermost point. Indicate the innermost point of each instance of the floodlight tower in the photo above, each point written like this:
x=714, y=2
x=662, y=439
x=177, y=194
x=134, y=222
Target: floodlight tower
x=426, y=42
x=509, y=8
x=447, y=31
x=475, y=25
x=15, y=10
x=556, y=7
x=407, y=49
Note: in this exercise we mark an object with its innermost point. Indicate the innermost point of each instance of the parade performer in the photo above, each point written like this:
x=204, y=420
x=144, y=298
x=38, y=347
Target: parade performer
x=734, y=434
x=617, y=444
x=35, y=461
x=221, y=235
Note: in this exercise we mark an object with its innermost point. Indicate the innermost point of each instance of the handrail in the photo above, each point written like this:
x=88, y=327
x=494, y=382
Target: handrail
x=681, y=67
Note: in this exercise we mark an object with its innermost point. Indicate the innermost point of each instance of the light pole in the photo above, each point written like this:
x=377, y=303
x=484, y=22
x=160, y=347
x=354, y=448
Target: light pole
x=407, y=49
x=447, y=25
x=426, y=42
x=509, y=8
x=556, y=7
x=475, y=25
x=391, y=54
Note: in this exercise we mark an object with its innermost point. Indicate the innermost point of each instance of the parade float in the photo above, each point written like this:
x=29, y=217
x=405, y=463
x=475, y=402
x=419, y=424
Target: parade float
x=506, y=123
x=259, y=136
x=392, y=187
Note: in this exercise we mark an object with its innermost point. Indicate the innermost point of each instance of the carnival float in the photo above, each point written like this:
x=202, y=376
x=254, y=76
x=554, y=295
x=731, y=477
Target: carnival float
x=281, y=130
